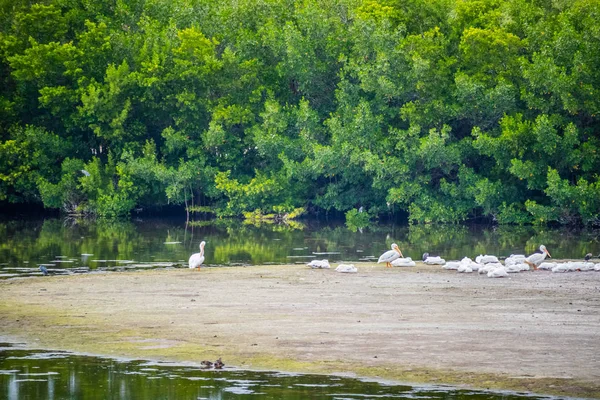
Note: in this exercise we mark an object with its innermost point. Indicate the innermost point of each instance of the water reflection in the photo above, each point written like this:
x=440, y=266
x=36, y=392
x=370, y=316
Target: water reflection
x=31, y=374
x=77, y=246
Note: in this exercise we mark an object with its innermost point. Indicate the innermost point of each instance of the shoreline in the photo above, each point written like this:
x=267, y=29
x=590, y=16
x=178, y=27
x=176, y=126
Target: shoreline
x=530, y=332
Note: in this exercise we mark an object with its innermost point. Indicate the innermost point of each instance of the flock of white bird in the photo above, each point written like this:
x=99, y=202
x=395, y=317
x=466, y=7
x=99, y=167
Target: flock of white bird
x=491, y=265
x=483, y=264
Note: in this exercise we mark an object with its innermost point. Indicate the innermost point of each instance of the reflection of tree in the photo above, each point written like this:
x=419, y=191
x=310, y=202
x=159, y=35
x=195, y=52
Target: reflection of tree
x=230, y=241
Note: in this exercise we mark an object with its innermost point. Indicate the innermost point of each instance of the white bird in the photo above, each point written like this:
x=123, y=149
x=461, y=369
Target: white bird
x=480, y=259
x=485, y=269
x=581, y=265
x=516, y=267
x=348, y=268
x=515, y=259
x=197, y=259
x=563, y=267
x=547, y=265
x=390, y=255
x=464, y=268
x=319, y=264
x=499, y=272
x=403, y=262
x=537, y=258
x=452, y=265
x=434, y=260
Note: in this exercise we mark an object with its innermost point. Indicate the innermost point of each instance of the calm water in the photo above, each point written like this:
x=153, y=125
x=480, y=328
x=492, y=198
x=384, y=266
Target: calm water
x=30, y=374
x=76, y=246
x=72, y=246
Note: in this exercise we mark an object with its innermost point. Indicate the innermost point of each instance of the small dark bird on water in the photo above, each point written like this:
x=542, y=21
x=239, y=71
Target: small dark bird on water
x=44, y=270
x=589, y=256
x=218, y=364
x=206, y=364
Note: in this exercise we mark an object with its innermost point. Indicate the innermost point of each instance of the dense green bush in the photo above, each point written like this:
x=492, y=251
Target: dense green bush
x=447, y=110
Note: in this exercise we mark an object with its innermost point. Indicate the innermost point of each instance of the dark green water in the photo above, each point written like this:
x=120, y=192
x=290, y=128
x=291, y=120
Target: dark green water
x=38, y=375
x=82, y=246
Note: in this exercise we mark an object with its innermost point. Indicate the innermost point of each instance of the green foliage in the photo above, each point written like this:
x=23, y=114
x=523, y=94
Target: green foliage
x=447, y=110
x=356, y=219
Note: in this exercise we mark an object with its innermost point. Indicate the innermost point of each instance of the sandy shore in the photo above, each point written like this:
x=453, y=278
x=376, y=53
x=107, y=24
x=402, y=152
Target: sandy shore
x=534, y=331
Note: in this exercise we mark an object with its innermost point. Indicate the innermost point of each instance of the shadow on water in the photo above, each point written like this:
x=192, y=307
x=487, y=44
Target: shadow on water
x=34, y=374
x=79, y=246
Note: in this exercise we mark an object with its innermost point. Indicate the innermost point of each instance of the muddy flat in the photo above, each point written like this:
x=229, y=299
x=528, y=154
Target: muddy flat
x=534, y=331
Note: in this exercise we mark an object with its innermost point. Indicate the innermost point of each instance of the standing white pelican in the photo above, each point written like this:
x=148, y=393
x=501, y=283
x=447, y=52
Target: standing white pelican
x=390, y=256
x=197, y=259
x=536, y=258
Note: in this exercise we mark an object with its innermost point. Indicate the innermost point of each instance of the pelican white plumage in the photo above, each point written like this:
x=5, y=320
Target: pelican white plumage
x=390, y=256
x=512, y=268
x=537, y=258
x=347, y=268
x=464, y=268
x=581, y=265
x=499, y=272
x=319, y=264
x=547, y=265
x=564, y=267
x=437, y=260
x=197, y=259
x=452, y=265
x=403, y=262
x=515, y=259
x=486, y=259
x=485, y=269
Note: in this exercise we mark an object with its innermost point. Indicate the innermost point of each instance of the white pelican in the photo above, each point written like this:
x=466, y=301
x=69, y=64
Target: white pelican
x=515, y=259
x=537, y=258
x=437, y=260
x=516, y=267
x=582, y=265
x=390, y=255
x=481, y=259
x=452, y=265
x=348, y=268
x=547, y=265
x=403, y=262
x=464, y=268
x=499, y=272
x=197, y=259
x=564, y=267
x=319, y=264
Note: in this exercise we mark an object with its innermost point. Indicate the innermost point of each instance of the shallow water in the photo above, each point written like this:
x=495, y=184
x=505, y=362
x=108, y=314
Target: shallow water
x=80, y=246
x=34, y=374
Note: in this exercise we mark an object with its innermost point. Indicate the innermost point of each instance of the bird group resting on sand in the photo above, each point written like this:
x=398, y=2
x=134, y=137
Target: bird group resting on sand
x=484, y=264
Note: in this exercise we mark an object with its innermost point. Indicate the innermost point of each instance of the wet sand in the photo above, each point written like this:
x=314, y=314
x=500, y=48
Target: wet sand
x=533, y=331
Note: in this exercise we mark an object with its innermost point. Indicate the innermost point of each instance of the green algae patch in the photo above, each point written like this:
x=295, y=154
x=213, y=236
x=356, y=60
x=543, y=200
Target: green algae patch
x=50, y=328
